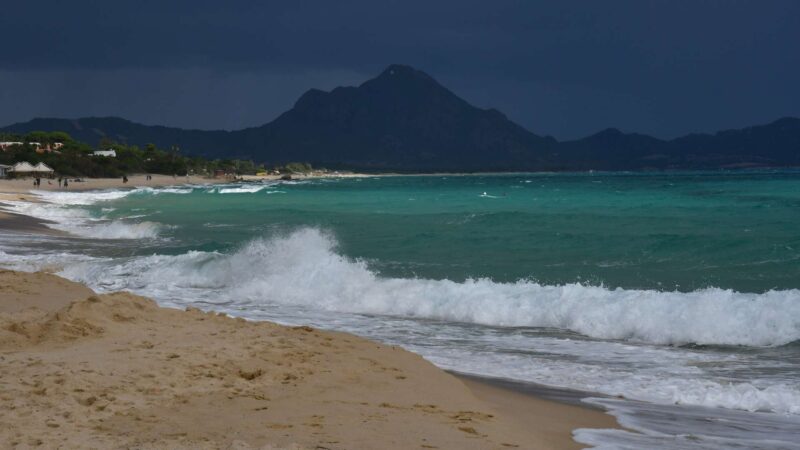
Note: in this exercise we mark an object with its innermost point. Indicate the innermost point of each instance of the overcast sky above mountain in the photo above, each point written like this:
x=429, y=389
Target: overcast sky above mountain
x=566, y=69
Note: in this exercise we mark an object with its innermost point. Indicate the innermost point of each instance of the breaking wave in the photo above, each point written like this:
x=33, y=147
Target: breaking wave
x=303, y=268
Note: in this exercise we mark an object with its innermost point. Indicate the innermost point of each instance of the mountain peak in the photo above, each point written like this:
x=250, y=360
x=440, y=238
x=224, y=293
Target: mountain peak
x=399, y=74
x=609, y=132
x=403, y=71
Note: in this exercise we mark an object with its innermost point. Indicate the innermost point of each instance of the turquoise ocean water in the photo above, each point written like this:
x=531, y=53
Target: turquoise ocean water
x=678, y=292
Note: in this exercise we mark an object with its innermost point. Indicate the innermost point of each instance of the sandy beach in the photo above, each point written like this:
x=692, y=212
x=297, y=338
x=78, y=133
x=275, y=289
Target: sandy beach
x=24, y=186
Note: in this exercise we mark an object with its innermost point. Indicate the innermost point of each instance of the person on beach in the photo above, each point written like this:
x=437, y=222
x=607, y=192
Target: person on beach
x=124, y=179
x=65, y=183
x=59, y=182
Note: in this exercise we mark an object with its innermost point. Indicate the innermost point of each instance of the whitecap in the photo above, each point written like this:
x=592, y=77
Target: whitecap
x=303, y=267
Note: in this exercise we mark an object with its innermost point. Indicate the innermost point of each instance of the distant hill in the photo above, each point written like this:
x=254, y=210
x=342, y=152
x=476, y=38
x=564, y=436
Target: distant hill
x=773, y=145
x=405, y=120
x=93, y=129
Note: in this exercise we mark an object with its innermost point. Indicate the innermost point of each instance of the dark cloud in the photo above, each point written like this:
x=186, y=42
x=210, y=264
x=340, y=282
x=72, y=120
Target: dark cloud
x=561, y=68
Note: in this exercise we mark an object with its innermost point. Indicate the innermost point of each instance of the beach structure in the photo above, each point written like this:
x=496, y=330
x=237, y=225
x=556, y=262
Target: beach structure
x=6, y=144
x=106, y=153
x=43, y=169
x=4, y=170
x=26, y=169
x=46, y=148
x=22, y=169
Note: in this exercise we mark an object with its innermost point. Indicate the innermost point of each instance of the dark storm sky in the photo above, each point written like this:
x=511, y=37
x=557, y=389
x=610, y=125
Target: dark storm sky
x=564, y=68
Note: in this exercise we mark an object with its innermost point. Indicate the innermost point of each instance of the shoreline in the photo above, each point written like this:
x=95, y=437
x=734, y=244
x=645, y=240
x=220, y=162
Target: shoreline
x=25, y=186
x=118, y=370
x=19, y=223
x=563, y=396
x=524, y=413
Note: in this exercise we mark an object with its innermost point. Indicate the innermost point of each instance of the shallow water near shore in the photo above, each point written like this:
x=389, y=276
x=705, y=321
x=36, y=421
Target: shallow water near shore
x=678, y=292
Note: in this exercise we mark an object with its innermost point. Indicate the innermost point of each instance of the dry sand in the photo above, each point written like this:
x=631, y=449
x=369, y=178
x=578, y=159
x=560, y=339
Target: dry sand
x=11, y=189
x=80, y=370
x=24, y=186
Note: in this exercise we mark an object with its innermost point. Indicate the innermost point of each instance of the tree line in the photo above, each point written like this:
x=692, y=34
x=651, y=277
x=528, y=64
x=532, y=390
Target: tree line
x=74, y=158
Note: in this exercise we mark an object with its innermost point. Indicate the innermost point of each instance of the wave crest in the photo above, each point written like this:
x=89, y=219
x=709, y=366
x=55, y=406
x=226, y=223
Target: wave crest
x=303, y=268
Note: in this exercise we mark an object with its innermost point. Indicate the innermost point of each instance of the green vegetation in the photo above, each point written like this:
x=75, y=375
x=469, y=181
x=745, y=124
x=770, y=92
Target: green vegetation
x=75, y=158
x=295, y=167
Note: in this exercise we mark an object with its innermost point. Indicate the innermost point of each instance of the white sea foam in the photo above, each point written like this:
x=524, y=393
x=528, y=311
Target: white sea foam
x=173, y=191
x=594, y=368
x=118, y=230
x=63, y=211
x=84, y=197
x=49, y=262
x=665, y=426
x=242, y=189
x=304, y=268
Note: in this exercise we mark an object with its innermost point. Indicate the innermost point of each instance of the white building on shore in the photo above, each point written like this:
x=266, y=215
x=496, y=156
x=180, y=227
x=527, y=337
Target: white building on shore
x=5, y=145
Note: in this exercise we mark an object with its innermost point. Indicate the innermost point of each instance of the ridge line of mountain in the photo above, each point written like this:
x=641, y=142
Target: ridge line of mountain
x=403, y=119
x=609, y=130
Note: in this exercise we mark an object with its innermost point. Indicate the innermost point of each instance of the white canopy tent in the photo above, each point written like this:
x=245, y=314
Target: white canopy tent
x=42, y=168
x=22, y=167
